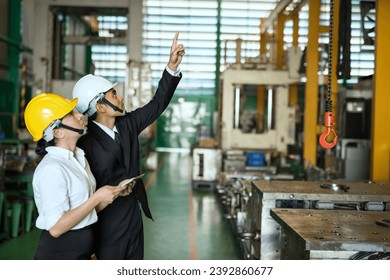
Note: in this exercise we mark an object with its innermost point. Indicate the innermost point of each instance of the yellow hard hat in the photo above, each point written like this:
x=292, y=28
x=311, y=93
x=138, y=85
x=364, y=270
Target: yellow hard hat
x=43, y=110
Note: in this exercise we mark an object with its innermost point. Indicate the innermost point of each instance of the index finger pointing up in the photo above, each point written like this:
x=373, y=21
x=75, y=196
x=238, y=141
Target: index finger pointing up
x=175, y=38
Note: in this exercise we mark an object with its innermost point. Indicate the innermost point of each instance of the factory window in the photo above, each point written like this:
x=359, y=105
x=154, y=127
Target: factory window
x=205, y=27
x=110, y=60
x=197, y=22
x=89, y=40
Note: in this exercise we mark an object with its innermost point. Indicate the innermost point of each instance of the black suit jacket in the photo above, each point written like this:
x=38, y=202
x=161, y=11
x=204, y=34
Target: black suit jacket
x=111, y=163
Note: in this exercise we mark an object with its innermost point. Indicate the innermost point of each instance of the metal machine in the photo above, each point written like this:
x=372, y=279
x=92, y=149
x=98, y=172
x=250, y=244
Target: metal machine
x=355, y=125
x=266, y=195
x=256, y=116
x=235, y=195
x=330, y=234
x=271, y=127
x=206, y=166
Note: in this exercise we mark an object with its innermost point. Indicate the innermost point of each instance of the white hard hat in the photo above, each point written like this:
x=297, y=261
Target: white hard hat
x=89, y=90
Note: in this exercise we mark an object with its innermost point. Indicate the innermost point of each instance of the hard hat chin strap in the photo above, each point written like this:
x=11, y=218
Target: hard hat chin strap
x=48, y=132
x=79, y=131
x=115, y=108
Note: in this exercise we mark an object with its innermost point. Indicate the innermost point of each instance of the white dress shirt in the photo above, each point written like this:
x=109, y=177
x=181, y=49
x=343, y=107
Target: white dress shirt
x=62, y=181
x=173, y=73
x=107, y=130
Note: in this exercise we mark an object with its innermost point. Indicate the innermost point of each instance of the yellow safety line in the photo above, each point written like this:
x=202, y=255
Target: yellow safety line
x=191, y=226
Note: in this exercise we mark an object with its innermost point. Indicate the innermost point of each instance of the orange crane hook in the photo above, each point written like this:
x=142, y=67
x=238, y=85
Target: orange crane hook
x=328, y=120
x=328, y=116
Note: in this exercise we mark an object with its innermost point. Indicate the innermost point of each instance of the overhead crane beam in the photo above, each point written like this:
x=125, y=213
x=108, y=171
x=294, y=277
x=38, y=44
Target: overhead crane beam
x=280, y=15
x=277, y=20
x=280, y=7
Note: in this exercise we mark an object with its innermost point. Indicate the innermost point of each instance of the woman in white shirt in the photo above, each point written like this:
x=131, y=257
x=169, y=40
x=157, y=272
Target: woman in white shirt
x=64, y=187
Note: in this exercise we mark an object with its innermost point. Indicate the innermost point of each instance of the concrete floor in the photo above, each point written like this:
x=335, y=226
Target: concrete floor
x=188, y=224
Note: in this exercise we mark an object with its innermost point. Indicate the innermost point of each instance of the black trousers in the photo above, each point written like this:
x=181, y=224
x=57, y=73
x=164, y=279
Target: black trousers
x=72, y=245
x=132, y=249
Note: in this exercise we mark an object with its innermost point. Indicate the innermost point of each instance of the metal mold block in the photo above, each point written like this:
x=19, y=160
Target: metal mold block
x=307, y=195
x=330, y=234
x=206, y=164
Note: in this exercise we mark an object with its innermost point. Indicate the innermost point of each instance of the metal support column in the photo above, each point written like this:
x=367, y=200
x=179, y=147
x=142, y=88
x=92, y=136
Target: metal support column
x=380, y=160
x=218, y=91
x=14, y=34
x=311, y=90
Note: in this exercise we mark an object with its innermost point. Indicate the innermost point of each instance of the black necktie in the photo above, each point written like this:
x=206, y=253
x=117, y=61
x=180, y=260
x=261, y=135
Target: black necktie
x=116, y=137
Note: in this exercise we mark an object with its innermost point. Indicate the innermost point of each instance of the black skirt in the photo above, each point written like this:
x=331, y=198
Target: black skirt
x=72, y=245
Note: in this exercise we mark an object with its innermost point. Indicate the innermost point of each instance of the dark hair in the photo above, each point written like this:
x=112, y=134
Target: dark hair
x=42, y=145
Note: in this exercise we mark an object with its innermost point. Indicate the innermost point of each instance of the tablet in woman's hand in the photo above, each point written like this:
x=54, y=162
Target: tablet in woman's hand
x=130, y=182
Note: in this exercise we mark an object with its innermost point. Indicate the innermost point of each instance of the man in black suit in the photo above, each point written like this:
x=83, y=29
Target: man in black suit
x=112, y=150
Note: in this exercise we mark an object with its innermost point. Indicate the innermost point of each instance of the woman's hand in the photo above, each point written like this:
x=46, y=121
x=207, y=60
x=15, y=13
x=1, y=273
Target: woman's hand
x=98, y=201
x=108, y=194
x=128, y=189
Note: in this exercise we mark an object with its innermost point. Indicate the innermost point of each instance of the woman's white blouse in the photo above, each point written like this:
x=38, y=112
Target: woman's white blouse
x=62, y=181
